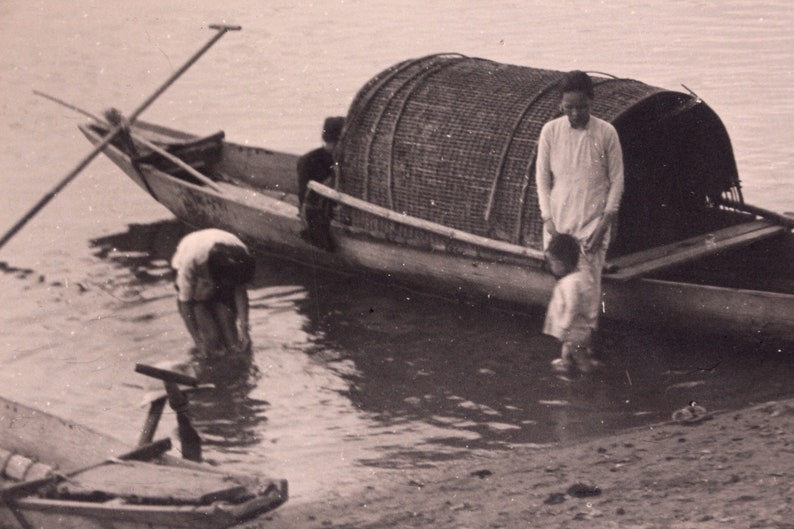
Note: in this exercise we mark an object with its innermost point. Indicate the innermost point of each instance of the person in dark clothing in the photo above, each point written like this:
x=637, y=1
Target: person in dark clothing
x=318, y=165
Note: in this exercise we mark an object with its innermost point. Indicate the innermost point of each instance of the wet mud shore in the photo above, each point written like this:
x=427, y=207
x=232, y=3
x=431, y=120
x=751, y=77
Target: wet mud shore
x=730, y=469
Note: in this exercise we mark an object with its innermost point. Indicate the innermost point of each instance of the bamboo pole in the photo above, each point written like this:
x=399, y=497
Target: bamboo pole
x=426, y=225
x=221, y=30
x=140, y=139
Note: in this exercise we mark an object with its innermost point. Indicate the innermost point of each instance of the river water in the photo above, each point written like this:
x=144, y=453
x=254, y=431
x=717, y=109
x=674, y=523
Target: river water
x=350, y=381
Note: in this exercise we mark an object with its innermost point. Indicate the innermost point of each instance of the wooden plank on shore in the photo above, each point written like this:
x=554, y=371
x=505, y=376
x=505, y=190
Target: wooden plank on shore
x=655, y=259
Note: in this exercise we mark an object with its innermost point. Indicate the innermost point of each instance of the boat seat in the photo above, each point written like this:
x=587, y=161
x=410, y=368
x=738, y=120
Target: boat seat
x=216, y=138
x=198, y=152
x=659, y=258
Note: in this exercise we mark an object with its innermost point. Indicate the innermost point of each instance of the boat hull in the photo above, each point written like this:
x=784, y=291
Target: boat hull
x=68, y=447
x=56, y=514
x=270, y=220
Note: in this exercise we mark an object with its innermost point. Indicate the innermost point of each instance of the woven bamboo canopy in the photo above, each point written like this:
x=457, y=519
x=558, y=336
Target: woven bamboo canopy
x=452, y=140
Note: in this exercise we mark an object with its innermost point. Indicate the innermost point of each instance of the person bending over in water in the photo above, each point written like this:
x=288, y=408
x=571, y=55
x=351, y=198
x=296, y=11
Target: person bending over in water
x=212, y=268
x=567, y=316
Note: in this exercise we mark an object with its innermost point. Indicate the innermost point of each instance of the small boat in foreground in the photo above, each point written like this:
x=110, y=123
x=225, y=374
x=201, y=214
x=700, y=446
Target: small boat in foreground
x=58, y=474
x=437, y=195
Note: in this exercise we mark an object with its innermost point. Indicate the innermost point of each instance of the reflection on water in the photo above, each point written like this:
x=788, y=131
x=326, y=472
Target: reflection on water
x=395, y=378
x=229, y=418
x=347, y=377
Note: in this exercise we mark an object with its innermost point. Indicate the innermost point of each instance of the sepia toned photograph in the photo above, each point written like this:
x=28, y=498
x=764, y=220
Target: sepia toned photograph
x=375, y=264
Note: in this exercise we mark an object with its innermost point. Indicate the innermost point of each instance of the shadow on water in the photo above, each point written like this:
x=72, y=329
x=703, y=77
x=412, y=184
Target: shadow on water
x=486, y=372
x=432, y=378
x=145, y=250
x=481, y=377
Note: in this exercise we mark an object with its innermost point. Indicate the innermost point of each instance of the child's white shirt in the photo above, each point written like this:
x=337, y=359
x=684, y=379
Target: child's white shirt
x=567, y=313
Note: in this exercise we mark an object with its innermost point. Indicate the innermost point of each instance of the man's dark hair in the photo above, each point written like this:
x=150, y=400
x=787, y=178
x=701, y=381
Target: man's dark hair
x=332, y=128
x=565, y=247
x=577, y=81
x=231, y=264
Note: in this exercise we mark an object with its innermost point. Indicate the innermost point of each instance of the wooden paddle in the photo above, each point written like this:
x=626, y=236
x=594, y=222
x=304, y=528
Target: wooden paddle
x=221, y=30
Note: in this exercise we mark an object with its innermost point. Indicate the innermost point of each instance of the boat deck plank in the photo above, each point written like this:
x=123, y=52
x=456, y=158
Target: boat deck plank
x=654, y=259
x=150, y=482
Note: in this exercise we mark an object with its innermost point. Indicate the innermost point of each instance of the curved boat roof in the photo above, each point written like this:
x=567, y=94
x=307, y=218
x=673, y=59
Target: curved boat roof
x=452, y=139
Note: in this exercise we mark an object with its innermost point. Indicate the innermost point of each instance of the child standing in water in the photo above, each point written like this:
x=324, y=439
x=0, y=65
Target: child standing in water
x=567, y=316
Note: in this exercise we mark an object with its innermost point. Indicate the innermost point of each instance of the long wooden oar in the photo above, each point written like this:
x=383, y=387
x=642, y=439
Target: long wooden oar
x=778, y=218
x=221, y=30
x=143, y=141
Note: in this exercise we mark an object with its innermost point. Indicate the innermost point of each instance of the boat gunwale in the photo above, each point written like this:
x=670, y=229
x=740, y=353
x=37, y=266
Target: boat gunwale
x=478, y=259
x=500, y=257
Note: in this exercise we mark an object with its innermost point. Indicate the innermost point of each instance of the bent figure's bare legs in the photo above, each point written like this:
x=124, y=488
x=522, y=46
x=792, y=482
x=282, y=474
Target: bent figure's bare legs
x=210, y=332
x=226, y=323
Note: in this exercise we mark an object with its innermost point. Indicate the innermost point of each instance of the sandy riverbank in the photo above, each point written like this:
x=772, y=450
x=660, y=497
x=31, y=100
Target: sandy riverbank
x=733, y=470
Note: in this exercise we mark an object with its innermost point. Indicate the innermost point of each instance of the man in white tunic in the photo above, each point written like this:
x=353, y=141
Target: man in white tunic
x=212, y=268
x=579, y=176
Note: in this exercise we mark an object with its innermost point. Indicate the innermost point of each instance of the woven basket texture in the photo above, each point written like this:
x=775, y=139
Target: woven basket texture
x=452, y=140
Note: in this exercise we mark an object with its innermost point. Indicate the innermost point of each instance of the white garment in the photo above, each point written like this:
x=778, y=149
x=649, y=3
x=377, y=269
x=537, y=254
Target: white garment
x=579, y=177
x=579, y=174
x=568, y=313
x=193, y=279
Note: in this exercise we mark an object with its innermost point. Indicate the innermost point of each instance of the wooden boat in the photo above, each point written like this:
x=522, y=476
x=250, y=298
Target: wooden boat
x=58, y=474
x=725, y=267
